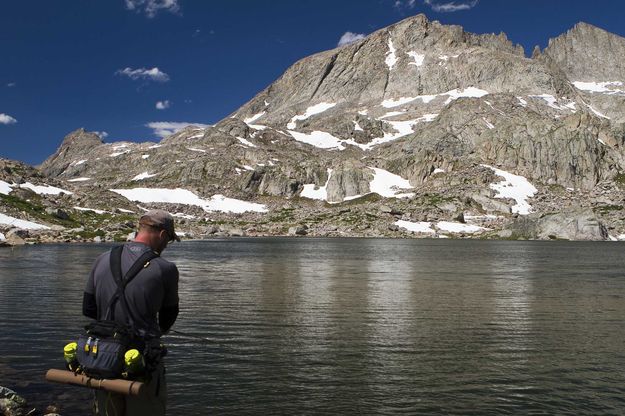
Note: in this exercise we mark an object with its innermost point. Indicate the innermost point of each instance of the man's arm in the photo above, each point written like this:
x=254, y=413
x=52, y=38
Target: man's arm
x=89, y=306
x=166, y=317
x=169, y=311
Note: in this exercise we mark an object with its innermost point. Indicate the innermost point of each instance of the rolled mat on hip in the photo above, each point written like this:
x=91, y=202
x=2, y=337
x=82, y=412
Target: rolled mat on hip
x=126, y=387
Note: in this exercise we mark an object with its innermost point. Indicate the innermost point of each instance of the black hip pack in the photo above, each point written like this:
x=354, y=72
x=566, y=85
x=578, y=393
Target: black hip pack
x=101, y=349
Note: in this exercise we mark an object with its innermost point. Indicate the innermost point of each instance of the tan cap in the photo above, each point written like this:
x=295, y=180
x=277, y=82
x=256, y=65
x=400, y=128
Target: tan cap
x=158, y=218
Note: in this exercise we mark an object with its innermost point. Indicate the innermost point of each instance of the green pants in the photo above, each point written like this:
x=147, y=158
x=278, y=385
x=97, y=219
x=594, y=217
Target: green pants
x=151, y=403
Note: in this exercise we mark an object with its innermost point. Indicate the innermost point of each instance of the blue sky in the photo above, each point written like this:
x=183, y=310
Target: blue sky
x=117, y=66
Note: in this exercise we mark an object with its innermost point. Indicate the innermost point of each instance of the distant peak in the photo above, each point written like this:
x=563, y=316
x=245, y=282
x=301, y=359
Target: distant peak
x=82, y=136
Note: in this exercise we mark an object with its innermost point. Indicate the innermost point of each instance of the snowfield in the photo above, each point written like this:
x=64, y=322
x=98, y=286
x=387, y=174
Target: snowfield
x=185, y=197
x=44, y=189
x=444, y=226
x=5, y=188
x=384, y=183
x=142, y=176
x=313, y=191
x=310, y=111
x=388, y=184
x=22, y=224
x=514, y=187
x=600, y=87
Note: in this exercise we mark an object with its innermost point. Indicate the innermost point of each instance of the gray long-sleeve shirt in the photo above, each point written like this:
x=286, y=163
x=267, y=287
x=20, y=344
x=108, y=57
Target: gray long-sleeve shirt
x=152, y=291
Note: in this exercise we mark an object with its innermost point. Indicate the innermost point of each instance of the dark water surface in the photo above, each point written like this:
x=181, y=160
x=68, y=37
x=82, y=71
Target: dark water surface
x=351, y=326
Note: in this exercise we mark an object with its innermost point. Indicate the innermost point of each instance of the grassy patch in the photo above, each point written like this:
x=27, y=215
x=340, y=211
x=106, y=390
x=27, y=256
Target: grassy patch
x=606, y=209
x=620, y=178
x=435, y=199
x=35, y=210
x=285, y=214
x=368, y=198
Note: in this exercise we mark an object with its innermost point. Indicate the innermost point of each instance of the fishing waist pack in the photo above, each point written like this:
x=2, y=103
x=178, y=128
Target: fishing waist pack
x=101, y=350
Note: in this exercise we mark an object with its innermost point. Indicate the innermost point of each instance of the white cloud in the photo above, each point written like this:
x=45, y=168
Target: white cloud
x=350, y=37
x=102, y=134
x=11, y=84
x=162, y=105
x=152, y=7
x=153, y=74
x=450, y=6
x=409, y=4
x=166, y=128
x=7, y=119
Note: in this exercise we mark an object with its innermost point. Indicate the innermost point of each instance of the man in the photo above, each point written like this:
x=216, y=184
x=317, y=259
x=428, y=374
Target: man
x=152, y=299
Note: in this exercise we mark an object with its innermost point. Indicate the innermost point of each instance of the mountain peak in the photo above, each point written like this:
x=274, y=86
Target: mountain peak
x=588, y=53
x=76, y=143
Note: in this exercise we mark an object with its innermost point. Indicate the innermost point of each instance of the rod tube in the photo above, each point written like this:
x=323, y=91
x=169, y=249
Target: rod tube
x=125, y=387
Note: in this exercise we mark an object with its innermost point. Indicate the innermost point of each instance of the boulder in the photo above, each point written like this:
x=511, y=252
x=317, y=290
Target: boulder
x=18, y=232
x=298, y=230
x=491, y=205
x=14, y=239
x=572, y=225
x=11, y=404
x=58, y=213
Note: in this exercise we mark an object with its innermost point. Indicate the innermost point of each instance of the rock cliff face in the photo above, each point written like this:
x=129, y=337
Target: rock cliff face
x=427, y=120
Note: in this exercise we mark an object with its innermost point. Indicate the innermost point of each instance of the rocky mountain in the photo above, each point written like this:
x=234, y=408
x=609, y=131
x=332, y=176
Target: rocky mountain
x=420, y=129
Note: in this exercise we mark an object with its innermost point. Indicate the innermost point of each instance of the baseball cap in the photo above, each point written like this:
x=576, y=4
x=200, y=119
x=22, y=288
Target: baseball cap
x=159, y=218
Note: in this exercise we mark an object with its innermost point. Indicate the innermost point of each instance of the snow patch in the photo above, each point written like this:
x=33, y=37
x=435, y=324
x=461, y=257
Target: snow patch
x=21, y=224
x=416, y=227
x=319, y=139
x=391, y=114
x=143, y=176
x=418, y=58
x=80, y=162
x=119, y=153
x=145, y=156
x=600, y=87
x=597, y=113
x=357, y=126
x=391, y=58
x=45, y=189
x=313, y=191
x=183, y=215
x=514, y=187
x=155, y=146
x=97, y=211
x=5, y=188
x=127, y=211
x=438, y=170
x=185, y=197
x=246, y=142
x=310, y=111
x=395, y=103
x=488, y=124
x=471, y=92
x=522, y=101
x=388, y=184
x=457, y=227
x=79, y=180
x=254, y=117
x=194, y=149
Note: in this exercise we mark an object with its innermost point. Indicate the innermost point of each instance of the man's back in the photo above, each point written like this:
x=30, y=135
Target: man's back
x=154, y=290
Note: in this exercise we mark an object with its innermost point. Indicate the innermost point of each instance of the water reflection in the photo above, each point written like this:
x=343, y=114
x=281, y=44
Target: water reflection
x=350, y=326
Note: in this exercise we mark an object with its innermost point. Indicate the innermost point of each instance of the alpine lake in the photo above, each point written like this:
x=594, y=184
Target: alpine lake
x=343, y=326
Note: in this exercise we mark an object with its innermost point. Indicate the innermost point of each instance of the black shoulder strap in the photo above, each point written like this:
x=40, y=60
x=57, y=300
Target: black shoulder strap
x=116, y=268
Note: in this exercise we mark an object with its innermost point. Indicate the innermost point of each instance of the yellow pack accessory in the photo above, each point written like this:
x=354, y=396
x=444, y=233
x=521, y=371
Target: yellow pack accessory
x=69, y=352
x=133, y=360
